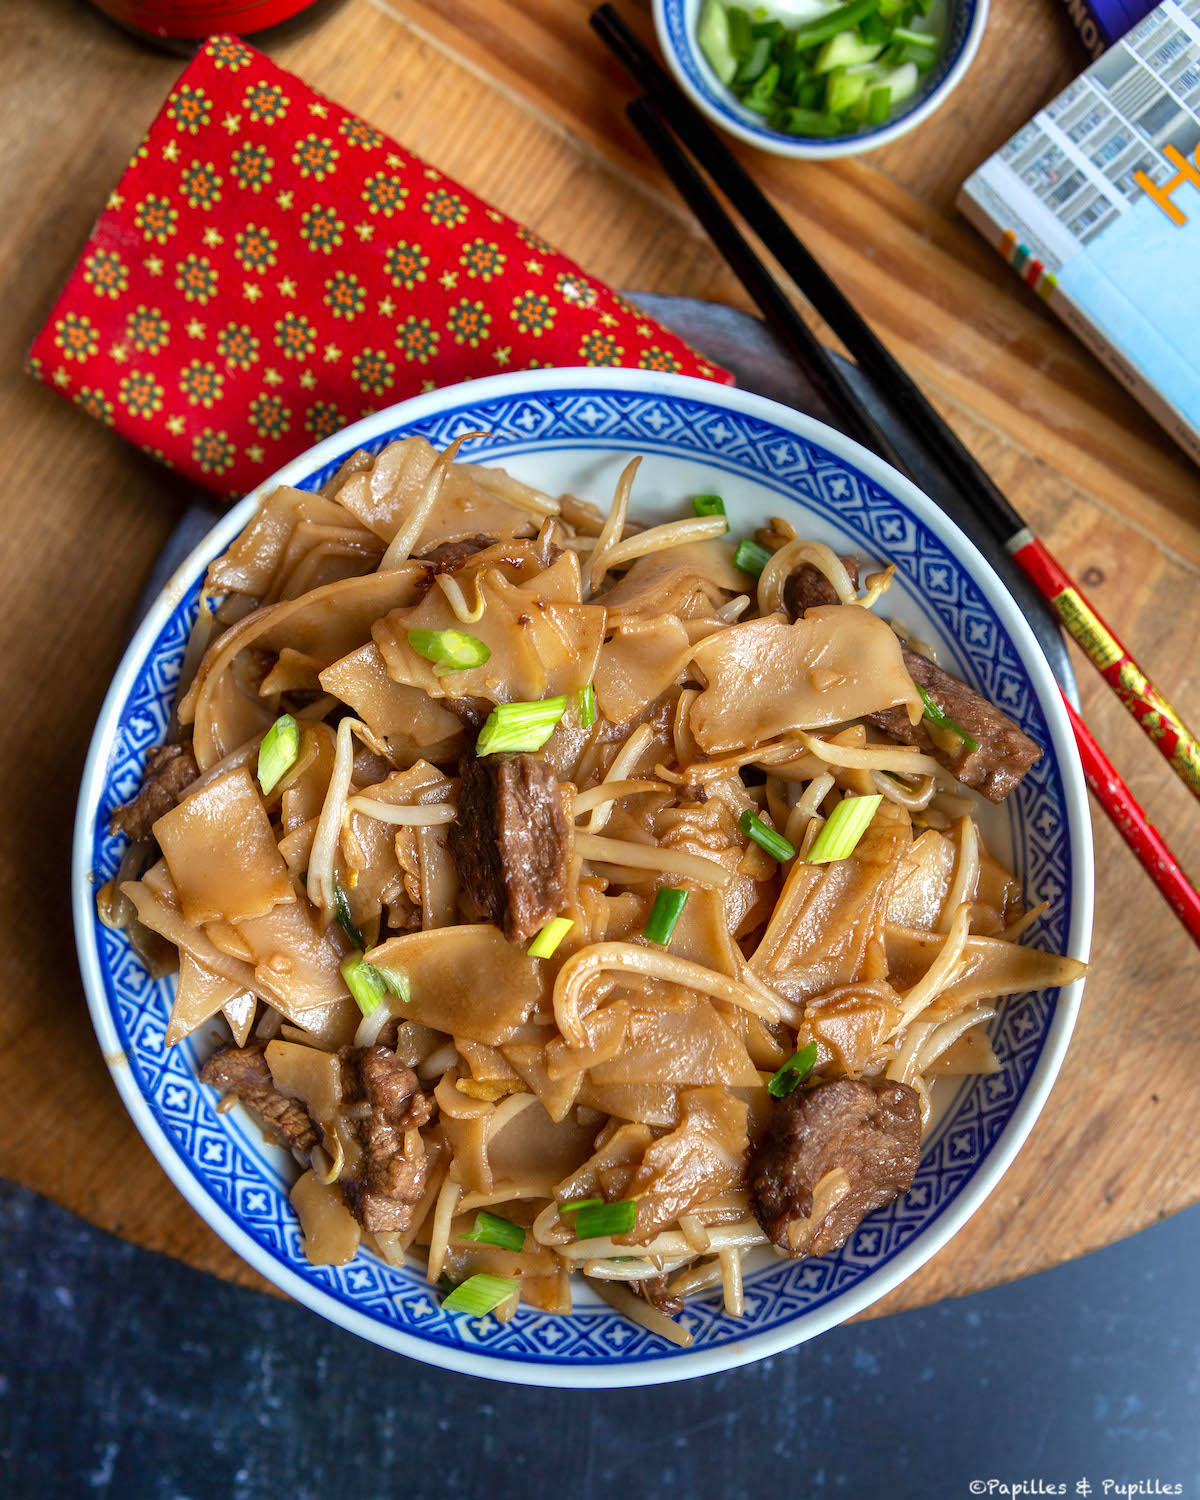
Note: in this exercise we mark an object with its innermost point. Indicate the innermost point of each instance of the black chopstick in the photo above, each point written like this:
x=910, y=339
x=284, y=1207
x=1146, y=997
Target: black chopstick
x=780, y=313
x=1157, y=718
x=889, y=378
x=1111, y=792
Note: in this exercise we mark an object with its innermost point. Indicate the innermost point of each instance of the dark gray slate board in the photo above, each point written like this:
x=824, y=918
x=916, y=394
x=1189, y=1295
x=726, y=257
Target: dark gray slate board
x=126, y=1376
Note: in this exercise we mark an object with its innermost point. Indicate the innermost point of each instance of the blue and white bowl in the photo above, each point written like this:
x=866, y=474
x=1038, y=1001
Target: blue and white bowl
x=574, y=430
x=675, y=23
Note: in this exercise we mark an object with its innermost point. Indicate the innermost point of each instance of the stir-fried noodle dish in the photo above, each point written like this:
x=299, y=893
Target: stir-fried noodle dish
x=582, y=897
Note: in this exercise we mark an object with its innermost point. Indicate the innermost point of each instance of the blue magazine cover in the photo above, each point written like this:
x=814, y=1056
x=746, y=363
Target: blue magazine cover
x=1101, y=22
x=1096, y=203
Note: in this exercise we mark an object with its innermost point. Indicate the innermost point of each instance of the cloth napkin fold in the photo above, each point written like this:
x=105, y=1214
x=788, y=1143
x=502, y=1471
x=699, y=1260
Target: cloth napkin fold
x=271, y=267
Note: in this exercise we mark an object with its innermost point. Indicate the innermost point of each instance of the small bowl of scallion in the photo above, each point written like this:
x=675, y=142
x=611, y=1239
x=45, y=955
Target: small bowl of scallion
x=817, y=78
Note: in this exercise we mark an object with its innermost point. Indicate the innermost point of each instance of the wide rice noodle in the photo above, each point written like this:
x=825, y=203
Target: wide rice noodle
x=614, y=1067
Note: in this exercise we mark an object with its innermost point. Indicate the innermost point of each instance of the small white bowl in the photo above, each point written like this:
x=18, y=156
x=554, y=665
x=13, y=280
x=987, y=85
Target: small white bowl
x=675, y=23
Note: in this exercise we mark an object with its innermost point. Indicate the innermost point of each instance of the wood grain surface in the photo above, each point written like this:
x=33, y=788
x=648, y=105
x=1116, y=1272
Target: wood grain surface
x=516, y=99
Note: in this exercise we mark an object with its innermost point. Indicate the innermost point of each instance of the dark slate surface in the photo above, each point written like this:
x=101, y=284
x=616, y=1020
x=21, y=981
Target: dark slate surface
x=124, y=1374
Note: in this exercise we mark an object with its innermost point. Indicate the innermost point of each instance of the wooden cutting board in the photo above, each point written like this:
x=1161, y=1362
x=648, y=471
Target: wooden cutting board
x=516, y=99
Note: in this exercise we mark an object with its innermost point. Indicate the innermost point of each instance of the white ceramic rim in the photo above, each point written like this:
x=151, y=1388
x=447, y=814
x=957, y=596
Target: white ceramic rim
x=925, y=1244
x=808, y=148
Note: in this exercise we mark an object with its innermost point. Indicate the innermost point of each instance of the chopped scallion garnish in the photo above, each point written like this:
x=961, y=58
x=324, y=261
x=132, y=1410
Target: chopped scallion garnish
x=831, y=74
x=788, y=1078
x=365, y=983
x=341, y=910
x=846, y=825
x=935, y=715
x=709, y=505
x=395, y=980
x=666, y=911
x=753, y=827
x=587, y=706
x=595, y=1220
x=479, y=1294
x=449, y=650
x=517, y=727
x=750, y=557
x=822, y=27
x=571, y=1208
x=550, y=936
x=712, y=33
x=278, y=753
x=491, y=1229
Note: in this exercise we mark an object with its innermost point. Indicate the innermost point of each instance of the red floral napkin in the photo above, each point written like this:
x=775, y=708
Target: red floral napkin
x=271, y=267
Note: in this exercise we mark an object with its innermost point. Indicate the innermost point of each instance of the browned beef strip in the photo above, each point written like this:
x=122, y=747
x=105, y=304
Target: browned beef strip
x=808, y=587
x=654, y=1291
x=448, y=557
x=243, y=1072
x=386, y=1182
x=872, y=1133
x=472, y=711
x=1005, y=751
x=511, y=841
x=170, y=770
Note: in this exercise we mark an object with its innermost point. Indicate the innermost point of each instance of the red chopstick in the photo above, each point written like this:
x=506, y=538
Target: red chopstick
x=1159, y=721
x=1135, y=827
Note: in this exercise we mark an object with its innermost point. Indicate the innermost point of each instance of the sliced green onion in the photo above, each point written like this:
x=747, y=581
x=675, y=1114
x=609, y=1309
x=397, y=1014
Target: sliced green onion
x=764, y=25
x=365, y=983
x=846, y=825
x=775, y=844
x=846, y=50
x=843, y=87
x=666, y=911
x=593, y=1221
x=762, y=91
x=570, y=1208
x=491, y=1229
x=395, y=981
x=550, y=936
x=925, y=40
x=808, y=95
x=341, y=910
x=479, y=1294
x=516, y=727
x=754, y=64
x=587, y=705
x=879, y=104
x=783, y=72
x=449, y=650
x=741, y=32
x=943, y=720
x=712, y=33
x=750, y=557
x=828, y=25
x=788, y=1078
x=278, y=753
x=810, y=122
x=709, y=505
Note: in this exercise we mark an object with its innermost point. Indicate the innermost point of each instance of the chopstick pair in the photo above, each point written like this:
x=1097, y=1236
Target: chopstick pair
x=665, y=109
